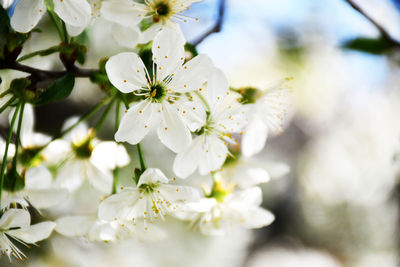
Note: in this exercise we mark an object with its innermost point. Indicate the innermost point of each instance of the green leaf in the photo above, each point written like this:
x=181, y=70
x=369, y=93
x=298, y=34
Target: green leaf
x=377, y=46
x=60, y=89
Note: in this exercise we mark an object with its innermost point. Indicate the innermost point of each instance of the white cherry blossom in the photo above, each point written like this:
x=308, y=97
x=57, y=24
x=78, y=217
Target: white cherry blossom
x=225, y=116
x=222, y=213
x=85, y=157
x=152, y=199
x=75, y=13
x=162, y=92
x=266, y=117
x=130, y=13
x=16, y=223
x=38, y=191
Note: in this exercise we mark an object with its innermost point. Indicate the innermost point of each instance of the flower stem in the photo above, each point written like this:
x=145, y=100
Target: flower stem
x=18, y=139
x=54, y=20
x=104, y=116
x=6, y=105
x=115, y=181
x=117, y=115
x=141, y=158
x=65, y=32
x=4, y=163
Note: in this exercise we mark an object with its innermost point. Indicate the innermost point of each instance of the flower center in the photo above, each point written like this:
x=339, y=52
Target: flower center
x=148, y=188
x=220, y=192
x=83, y=149
x=162, y=11
x=157, y=92
x=162, y=8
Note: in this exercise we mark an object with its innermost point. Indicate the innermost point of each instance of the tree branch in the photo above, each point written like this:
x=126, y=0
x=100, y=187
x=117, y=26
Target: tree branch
x=218, y=25
x=381, y=30
x=48, y=74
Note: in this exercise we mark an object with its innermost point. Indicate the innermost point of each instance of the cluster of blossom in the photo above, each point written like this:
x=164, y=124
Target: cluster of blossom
x=186, y=100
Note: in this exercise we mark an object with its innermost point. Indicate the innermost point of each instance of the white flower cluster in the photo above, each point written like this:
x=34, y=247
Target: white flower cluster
x=186, y=101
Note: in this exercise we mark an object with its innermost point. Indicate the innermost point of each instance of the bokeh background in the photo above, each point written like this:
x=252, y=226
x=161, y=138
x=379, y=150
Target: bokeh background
x=339, y=205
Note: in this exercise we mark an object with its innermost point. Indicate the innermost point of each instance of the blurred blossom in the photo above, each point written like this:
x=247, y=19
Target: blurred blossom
x=286, y=257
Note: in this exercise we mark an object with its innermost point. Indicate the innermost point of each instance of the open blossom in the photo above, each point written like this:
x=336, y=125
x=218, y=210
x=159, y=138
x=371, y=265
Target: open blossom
x=16, y=223
x=152, y=199
x=225, y=116
x=97, y=230
x=161, y=91
x=38, y=191
x=86, y=158
x=266, y=117
x=27, y=13
x=130, y=13
x=224, y=210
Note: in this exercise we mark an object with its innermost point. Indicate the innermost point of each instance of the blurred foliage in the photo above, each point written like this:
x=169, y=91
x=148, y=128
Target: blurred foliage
x=376, y=46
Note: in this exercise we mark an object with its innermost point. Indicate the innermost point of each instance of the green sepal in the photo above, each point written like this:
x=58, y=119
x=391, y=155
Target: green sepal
x=13, y=182
x=19, y=87
x=191, y=49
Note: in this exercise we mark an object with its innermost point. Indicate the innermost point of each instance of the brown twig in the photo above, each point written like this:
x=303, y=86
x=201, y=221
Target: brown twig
x=218, y=25
x=381, y=30
x=48, y=74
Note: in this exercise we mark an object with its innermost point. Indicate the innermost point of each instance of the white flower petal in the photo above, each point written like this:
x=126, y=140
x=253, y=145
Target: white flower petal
x=126, y=72
x=124, y=12
x=217, y=87
x=75, y=30
x=125, y=36
x=214, y=155
x=175, y=193
x=102, y=231
x=168, y=52
x=249, y=196
x=74, y=225
x=27, y=14
x=136, y=123
x=193, y=113
x=152, y=175
x=11, y=149
x=15, y=218
x=38, y=178
x=109, y=155
x=192, y=75
x=46, y=198
x=277, y=169
x=149, y=34
x=74, y=12
x=118, y=206
x=78, y=133
x=254, y=137
x=56, y=151
x=256, y=217
x=70, y=175
x=34, y=233
x=102, y=180
x=172, y=131
x=186, y=162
